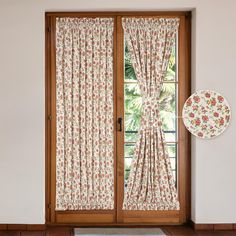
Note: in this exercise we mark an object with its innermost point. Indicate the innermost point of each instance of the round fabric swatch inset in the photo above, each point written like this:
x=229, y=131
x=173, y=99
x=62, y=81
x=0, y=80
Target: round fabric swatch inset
x=206, y=114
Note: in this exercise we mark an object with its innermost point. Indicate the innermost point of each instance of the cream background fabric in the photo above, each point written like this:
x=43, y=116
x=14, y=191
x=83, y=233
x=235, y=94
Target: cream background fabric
x=84, y=108
x=151, y=184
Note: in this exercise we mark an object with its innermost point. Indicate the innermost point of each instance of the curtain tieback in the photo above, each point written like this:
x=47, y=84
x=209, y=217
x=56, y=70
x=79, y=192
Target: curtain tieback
x=150, y=113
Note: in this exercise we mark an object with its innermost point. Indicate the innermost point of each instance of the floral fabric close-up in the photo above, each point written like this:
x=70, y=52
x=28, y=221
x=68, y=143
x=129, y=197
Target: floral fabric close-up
x=206, y=114
x=84, y=114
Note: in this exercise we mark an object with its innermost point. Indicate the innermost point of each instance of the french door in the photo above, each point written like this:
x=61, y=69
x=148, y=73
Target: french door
x=127, y=110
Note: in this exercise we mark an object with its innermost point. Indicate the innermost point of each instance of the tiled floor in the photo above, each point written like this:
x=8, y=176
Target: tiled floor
x=169, y=230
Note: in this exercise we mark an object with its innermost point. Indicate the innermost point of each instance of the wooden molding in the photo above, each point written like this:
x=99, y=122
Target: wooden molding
x=3, y=226
x=223, y=226
x=203, y=227
x=211, y=227
x=119, y=13
x=38, y=227
x=16, y=227
x=25, y=227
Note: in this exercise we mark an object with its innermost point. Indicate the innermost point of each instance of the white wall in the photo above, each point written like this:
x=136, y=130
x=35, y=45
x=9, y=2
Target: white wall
x=22, y=103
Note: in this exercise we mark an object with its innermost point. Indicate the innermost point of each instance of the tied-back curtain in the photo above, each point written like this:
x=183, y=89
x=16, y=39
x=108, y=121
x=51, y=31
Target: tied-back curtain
x=151, y=184
x=84, y=114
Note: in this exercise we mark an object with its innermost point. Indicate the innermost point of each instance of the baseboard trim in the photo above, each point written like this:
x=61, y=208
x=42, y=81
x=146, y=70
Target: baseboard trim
x=3, y=227
x=213, y=226
x=42, y=227
x=24, y=227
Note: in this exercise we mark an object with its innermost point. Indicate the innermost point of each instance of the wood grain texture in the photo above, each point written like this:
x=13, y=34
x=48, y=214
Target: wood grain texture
x=52, y=157
x=17, y=227
x=10, y=233
x=181, y=129
x=36, y=227
x=29, y=227
x=203, y=226
x=59, y=231
x=47, y=121
x=223, y=227
x=120, y=113
x=215, y=227
x=3, y=226
x=33, y=233
x=84, y=218
x=115, y=117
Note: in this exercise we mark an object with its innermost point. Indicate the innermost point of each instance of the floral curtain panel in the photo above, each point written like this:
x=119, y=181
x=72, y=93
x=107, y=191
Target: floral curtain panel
x=151, y=184
x=84, y=114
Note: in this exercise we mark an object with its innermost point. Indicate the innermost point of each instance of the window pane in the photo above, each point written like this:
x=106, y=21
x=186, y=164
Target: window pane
x=129, y=150
x=171, y=149
x=129, y=153
x=129, y=70
x=168, y=106
x=170, y=136
x=174, y=175
x=131, y=136
x=171, y=70
x=172, y=162
x=133, y=105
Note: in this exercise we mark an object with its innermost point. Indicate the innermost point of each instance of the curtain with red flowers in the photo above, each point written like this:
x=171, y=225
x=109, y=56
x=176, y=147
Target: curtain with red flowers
x=84, y=114
x=151, y=184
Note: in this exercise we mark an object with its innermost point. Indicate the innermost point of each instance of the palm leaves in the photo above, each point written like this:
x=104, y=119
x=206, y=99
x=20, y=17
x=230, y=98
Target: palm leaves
x=129, y=70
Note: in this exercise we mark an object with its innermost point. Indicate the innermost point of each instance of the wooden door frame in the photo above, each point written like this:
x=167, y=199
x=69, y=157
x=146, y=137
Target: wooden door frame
x=184, y=74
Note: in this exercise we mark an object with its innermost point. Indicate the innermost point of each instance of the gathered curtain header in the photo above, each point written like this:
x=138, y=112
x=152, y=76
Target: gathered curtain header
x=150, y=23
x=86, y=23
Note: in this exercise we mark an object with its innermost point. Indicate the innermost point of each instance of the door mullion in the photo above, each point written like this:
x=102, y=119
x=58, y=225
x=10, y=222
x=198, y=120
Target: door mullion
x=120, y=114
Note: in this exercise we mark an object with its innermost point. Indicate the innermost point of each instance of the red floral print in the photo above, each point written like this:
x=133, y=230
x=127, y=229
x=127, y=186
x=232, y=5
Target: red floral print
x=213, y=101
x=220, y=99
x=222, y=121
x=84, y=114
x=191, y=114
x=150, y=162
x=200, y=134
x=196, y=99
x=208, y=115
x=205, y=118
x=197, y=122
